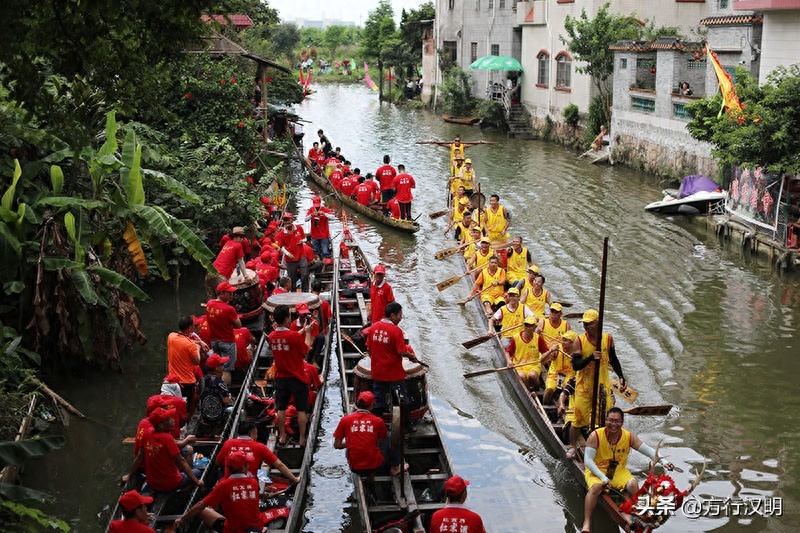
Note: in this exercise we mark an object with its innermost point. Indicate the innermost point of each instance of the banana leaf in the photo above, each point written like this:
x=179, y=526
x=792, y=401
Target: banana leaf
x=17, y=452
x=84, y=286
x=120, y=282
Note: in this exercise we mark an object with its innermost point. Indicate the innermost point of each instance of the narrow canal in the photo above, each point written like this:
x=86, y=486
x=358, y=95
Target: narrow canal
x=696, y=325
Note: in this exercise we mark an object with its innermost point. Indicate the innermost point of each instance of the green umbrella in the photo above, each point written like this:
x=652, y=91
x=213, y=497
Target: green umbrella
x=496, y=63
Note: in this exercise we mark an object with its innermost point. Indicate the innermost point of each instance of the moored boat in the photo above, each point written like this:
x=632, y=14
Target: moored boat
x=467, y=121
x=321, y=181
x=416, y=494
x=696, y=196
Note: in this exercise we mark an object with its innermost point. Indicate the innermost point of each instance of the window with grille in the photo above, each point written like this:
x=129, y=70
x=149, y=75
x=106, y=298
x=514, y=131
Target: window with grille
x=645, y=63
x=623, y=63
x=491, y=5
x=473, y=52
x=679, y=111
x=647, y=105
x=543, y=70
x=451, y=4
x=696, y=64
x=563, y=71
x=477, y=5
x=495, y=49
x=501, y=4
x=723, y=4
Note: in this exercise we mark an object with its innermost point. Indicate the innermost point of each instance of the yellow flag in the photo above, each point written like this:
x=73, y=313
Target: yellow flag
x=729, y=98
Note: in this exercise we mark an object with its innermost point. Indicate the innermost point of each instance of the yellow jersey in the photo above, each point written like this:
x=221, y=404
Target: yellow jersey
x=517, y=265
x=483, y=260
x=486, y=279
x=536, y=303
x=584, y=378
x=496, y=223
x=509, y=319
x=551, y=333
x=525, y=352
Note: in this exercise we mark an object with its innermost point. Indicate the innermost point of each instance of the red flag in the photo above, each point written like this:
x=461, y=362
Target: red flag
x=729, y=98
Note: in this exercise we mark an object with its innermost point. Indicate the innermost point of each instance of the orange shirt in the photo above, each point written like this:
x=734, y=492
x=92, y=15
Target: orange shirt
x=182, y=354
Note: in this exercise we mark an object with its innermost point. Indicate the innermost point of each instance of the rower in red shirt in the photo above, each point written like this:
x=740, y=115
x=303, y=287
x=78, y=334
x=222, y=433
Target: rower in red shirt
x=380, y=293
x=336, y=179
x=134, y=513
x=454, y=516
x=246, y=443
x=348, y=185
x=364, y=436
x=290, y=242
x=385, y=175
x=393, y=208
x=403, y=183
x=367, y=192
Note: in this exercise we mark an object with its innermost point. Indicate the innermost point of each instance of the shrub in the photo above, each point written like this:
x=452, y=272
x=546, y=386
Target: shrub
x=571, y=115
x=491, y=112
x=456, y=93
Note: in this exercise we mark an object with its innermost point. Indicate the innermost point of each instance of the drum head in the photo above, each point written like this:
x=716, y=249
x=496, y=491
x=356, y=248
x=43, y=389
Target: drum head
x=478, y=200
x=364, y=368
x=292, y=299
x=241, y=282
x=413, y=369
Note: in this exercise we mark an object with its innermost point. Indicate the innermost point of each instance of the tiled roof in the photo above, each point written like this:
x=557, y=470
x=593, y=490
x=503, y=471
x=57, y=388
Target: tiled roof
x=240, y=21
x=663, y=43
x=732, y=20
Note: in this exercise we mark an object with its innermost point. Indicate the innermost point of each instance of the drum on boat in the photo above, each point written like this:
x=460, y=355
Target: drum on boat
x=415, y=383
x=248, y=297
x=292, y=299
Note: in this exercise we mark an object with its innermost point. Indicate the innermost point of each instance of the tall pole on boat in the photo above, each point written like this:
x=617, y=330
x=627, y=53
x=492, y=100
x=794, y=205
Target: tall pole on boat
x=599, y=340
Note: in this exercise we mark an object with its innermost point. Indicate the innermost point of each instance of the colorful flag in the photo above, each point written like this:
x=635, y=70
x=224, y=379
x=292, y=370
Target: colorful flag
x=729, y=98
x=368, y=80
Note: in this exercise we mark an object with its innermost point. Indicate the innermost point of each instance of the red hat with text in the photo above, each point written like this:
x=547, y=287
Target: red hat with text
x=237, y=459
x=225, y=287
x=379, y=269
x=302, y=309
x=214, y=360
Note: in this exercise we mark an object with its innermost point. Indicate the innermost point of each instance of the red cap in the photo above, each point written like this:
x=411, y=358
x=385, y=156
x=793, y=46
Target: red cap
x=133, y=500
x=225, y=287
x=302, y=309
x=316, y=200
x=172, y=378
x=366, y=399
x=288, y=216
x=159, y=415
x=237, y=459
x=214, y=360
x=379, y=269
x=455, y=486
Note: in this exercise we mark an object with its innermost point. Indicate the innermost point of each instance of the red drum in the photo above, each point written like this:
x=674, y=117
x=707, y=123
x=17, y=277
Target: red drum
x=415, y=383
x=502, y=255
x=248, y=298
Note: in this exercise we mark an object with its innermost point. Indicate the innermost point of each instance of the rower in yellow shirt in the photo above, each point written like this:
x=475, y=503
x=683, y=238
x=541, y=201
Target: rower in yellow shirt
x=483, y=255
x=457, y=215
x=528, y=346
x=561, y=366
x=497, y=220
x=490, y=284
x=472, y=239
x=510, y=315
x=519, y=259
x=534, y=295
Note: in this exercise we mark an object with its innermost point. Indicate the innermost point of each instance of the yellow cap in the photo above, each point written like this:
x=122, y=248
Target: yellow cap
x=463, y=201
x=590, y=315
x=513, y=290
x=534, y=269
x=570, y=335
x=556, y=307
x=467, y=161
x=531, y=320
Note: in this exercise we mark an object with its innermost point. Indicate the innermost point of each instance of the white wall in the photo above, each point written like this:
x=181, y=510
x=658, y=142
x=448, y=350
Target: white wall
x=780, y=41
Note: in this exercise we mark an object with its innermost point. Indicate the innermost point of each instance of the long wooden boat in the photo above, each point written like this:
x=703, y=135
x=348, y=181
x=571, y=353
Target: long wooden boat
x=544, y=417
x=253, y=394
x=323, y=182
x=467, y=121
x=416, y=494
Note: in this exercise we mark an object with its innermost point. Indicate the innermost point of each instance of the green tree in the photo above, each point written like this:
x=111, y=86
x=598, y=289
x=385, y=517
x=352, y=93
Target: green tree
x=589, y=40
x=767, y=131
x=285, y=38
x=378, y=38
x=311, y=36
x=412, y=23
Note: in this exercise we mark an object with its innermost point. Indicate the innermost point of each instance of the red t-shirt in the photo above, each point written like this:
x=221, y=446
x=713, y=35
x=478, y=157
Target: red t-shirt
x=238, y=496
x=456, y=517
x=361, y=432
x=129, y=526
x=308, y=253
x=319, y=222
x=403, y=183
x=177, y=406
x=160, y=451
x=220, y=317
x=296, y=325
x=292, y=241
x=314, y=154
x=386, y=342
x=226, y=260
x=336, y=182
x=326, y=313
x=379, y=297
x=144, y=429
x=250, y=447
x=348, y=185
x=394, y=207
x=385, y=175
x=289, y=350
x=365, y=192
x=242, y=337
x=267, y=272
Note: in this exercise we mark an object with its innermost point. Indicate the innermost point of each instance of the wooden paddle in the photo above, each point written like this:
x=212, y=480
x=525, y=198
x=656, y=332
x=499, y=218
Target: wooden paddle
x=483, y=338
x=447, y=252
x=449, y=282
x=493, y=370
x=438, y=214
x=198, y=442
x=596, y=380
x=464, y=302
x=629, y=394
x=652, y=410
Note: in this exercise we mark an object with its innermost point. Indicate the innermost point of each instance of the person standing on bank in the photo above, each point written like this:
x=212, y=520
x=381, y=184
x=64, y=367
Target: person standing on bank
x=222, y=320
x=454, y=516
x=289, y=349
x=289, y=241
x=606, y=462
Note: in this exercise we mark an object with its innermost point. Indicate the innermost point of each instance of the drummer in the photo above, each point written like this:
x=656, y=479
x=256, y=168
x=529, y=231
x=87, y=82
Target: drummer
x=387, y=347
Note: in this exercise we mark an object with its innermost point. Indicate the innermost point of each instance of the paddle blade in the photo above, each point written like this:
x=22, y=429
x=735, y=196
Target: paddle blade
x=629, y=394
x=484, y=372
x=449, y=282
x=476, y=341
x=438, y=214
x=651, y=410
x=572, y=315
x=443, y=254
